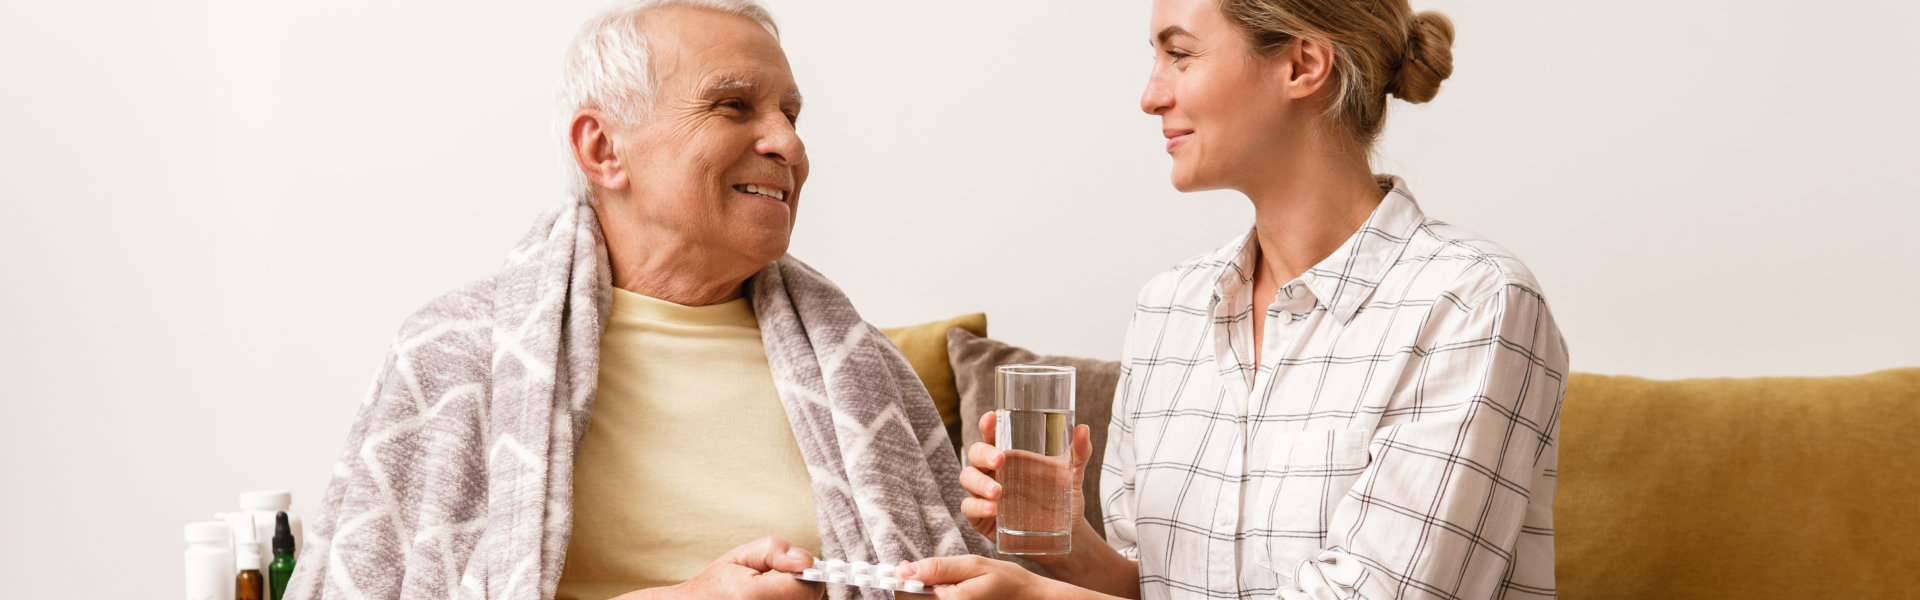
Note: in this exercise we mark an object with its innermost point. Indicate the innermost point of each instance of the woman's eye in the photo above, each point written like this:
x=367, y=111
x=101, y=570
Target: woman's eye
x=1176, y=55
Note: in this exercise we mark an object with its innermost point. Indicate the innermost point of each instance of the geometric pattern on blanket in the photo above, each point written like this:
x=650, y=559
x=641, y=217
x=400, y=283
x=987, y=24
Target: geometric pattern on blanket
x=456, y=477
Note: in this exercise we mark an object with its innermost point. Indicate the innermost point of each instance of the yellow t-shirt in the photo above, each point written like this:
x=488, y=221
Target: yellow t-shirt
x=688, y=452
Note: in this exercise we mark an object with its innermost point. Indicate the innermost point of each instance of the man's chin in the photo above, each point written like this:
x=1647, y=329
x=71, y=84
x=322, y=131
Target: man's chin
x=767, y=248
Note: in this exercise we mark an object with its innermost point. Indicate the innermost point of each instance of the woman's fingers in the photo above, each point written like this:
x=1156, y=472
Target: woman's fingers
x=984, y=456
x=1082, y=445
x=986, y=427
x=976, y=508
x=979, y=484
x=946, y=569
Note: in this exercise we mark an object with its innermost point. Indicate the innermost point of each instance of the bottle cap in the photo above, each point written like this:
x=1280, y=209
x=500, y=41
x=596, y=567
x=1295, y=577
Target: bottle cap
x=209, y=531
x=249, y=557
x=243, y=528
x=282, y=535
x=267, y=500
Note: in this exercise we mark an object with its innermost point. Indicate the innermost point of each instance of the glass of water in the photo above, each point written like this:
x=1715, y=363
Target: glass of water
x=1033, y=429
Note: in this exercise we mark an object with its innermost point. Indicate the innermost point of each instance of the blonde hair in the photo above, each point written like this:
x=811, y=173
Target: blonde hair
x=1380, y=48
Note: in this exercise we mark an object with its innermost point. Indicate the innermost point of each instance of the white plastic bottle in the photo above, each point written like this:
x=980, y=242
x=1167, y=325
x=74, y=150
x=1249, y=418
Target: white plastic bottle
x=257, y=510
x=210, y=563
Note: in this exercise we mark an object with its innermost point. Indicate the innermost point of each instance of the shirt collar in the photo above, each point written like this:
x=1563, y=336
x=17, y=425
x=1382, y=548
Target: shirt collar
x=1344, y=280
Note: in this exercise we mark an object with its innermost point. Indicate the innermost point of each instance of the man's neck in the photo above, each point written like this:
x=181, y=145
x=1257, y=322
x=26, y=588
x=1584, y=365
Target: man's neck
x=658, y=266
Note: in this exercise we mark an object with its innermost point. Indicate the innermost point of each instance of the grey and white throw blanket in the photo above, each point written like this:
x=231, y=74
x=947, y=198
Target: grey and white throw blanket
x=457, y=477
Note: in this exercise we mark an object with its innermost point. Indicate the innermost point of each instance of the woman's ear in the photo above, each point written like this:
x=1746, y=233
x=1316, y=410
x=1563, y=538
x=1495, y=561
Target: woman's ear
x=1309, y=67
x=593, y=150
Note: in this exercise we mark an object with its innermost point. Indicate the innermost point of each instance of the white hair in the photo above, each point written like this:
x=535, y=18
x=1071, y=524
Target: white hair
x=607, y=66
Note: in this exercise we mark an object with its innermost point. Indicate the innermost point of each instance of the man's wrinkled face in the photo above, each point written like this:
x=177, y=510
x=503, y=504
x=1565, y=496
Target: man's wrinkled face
x=717, y=163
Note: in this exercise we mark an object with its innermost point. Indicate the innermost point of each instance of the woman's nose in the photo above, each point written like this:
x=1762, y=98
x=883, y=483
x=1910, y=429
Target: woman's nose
x=1156, y=99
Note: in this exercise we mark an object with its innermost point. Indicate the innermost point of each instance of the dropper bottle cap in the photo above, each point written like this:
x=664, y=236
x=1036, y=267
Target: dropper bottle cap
x=282, y=534
x=249, y=557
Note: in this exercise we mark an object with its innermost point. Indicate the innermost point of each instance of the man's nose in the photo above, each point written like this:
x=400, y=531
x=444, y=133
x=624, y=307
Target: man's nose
x=781, y=142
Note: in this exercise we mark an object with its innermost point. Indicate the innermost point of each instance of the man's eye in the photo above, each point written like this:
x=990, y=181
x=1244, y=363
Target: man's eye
x=731, y=104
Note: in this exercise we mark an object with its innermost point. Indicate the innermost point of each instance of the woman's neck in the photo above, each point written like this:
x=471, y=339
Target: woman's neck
x=1306, y=207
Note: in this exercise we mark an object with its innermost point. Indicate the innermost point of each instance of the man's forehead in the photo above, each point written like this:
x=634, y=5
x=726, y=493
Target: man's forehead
x=707, y=51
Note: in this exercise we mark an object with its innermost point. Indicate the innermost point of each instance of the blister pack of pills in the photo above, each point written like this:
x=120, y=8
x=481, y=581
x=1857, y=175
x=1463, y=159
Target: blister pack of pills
x=859, y=573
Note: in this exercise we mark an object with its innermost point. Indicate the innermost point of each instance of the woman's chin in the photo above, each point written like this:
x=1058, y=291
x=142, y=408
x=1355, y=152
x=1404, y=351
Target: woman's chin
x=1187, y=182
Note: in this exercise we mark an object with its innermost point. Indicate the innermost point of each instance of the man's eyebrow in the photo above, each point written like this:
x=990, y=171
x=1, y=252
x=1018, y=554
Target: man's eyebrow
x=731, y=85
x=1169, y=33
x=726, y=85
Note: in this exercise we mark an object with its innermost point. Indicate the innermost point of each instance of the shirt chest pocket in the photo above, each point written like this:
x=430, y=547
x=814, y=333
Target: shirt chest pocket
x=1303, y=477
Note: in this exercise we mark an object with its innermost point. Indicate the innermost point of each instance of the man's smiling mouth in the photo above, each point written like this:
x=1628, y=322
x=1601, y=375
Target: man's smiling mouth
x=761, y=190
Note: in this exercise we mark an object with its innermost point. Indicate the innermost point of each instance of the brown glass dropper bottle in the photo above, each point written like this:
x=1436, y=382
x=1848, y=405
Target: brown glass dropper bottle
x=249, y=584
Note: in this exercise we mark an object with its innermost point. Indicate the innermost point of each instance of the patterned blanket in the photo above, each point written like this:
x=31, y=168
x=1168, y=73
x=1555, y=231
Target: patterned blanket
x=457, y=476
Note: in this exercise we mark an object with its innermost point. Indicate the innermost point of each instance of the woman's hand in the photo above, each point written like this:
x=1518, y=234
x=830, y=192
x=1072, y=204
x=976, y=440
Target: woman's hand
x=979, y=577
x=982, y=507
x=761, y=569
x=1092, y=564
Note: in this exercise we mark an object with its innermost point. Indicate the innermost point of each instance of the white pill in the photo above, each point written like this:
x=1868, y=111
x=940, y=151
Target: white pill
x=811, y=575
x=888, y=583
x=912, y=587
x=863, y=580
x=836, y=577
x=884, y=570
x=860, y=567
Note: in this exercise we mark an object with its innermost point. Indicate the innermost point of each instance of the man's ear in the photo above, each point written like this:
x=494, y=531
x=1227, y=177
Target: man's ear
x=592, y=142
x=1309, y=66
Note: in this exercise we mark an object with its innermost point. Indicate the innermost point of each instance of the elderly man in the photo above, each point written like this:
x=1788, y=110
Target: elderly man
x=733, y=392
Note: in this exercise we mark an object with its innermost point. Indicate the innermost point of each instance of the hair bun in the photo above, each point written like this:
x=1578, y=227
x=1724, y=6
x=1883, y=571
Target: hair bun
x=1428, y=60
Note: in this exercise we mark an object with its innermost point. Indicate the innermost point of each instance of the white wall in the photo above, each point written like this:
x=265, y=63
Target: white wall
x=215, y=213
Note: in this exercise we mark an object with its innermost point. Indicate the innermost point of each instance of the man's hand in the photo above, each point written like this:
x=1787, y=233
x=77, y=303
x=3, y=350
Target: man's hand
x=758, y=570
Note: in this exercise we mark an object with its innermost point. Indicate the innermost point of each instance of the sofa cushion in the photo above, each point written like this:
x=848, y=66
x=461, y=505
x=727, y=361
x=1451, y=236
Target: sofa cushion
x=925, y=346
x=974, y=358
x=1772, y=487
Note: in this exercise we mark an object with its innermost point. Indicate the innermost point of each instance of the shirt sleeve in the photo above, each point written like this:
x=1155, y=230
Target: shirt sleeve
x=1116, y=469
x=1457, y=462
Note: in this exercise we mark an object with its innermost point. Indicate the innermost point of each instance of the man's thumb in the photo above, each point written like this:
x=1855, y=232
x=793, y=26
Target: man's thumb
x=764, y=554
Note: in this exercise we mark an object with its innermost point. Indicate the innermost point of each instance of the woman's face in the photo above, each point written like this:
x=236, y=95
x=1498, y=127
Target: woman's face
x=1222, y=107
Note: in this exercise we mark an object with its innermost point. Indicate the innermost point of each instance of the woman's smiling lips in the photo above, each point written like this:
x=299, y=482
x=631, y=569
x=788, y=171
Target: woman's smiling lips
x=1176, y=137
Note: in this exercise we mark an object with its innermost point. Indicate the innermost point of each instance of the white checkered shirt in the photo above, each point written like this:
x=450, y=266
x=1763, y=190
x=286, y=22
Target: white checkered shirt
x=1397, y=439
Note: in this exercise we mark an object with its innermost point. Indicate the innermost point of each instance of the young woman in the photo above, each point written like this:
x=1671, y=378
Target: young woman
x=1351, y=400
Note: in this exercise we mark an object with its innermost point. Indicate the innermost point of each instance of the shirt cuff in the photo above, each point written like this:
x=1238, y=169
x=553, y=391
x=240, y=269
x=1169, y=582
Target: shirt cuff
x=1332, y=575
